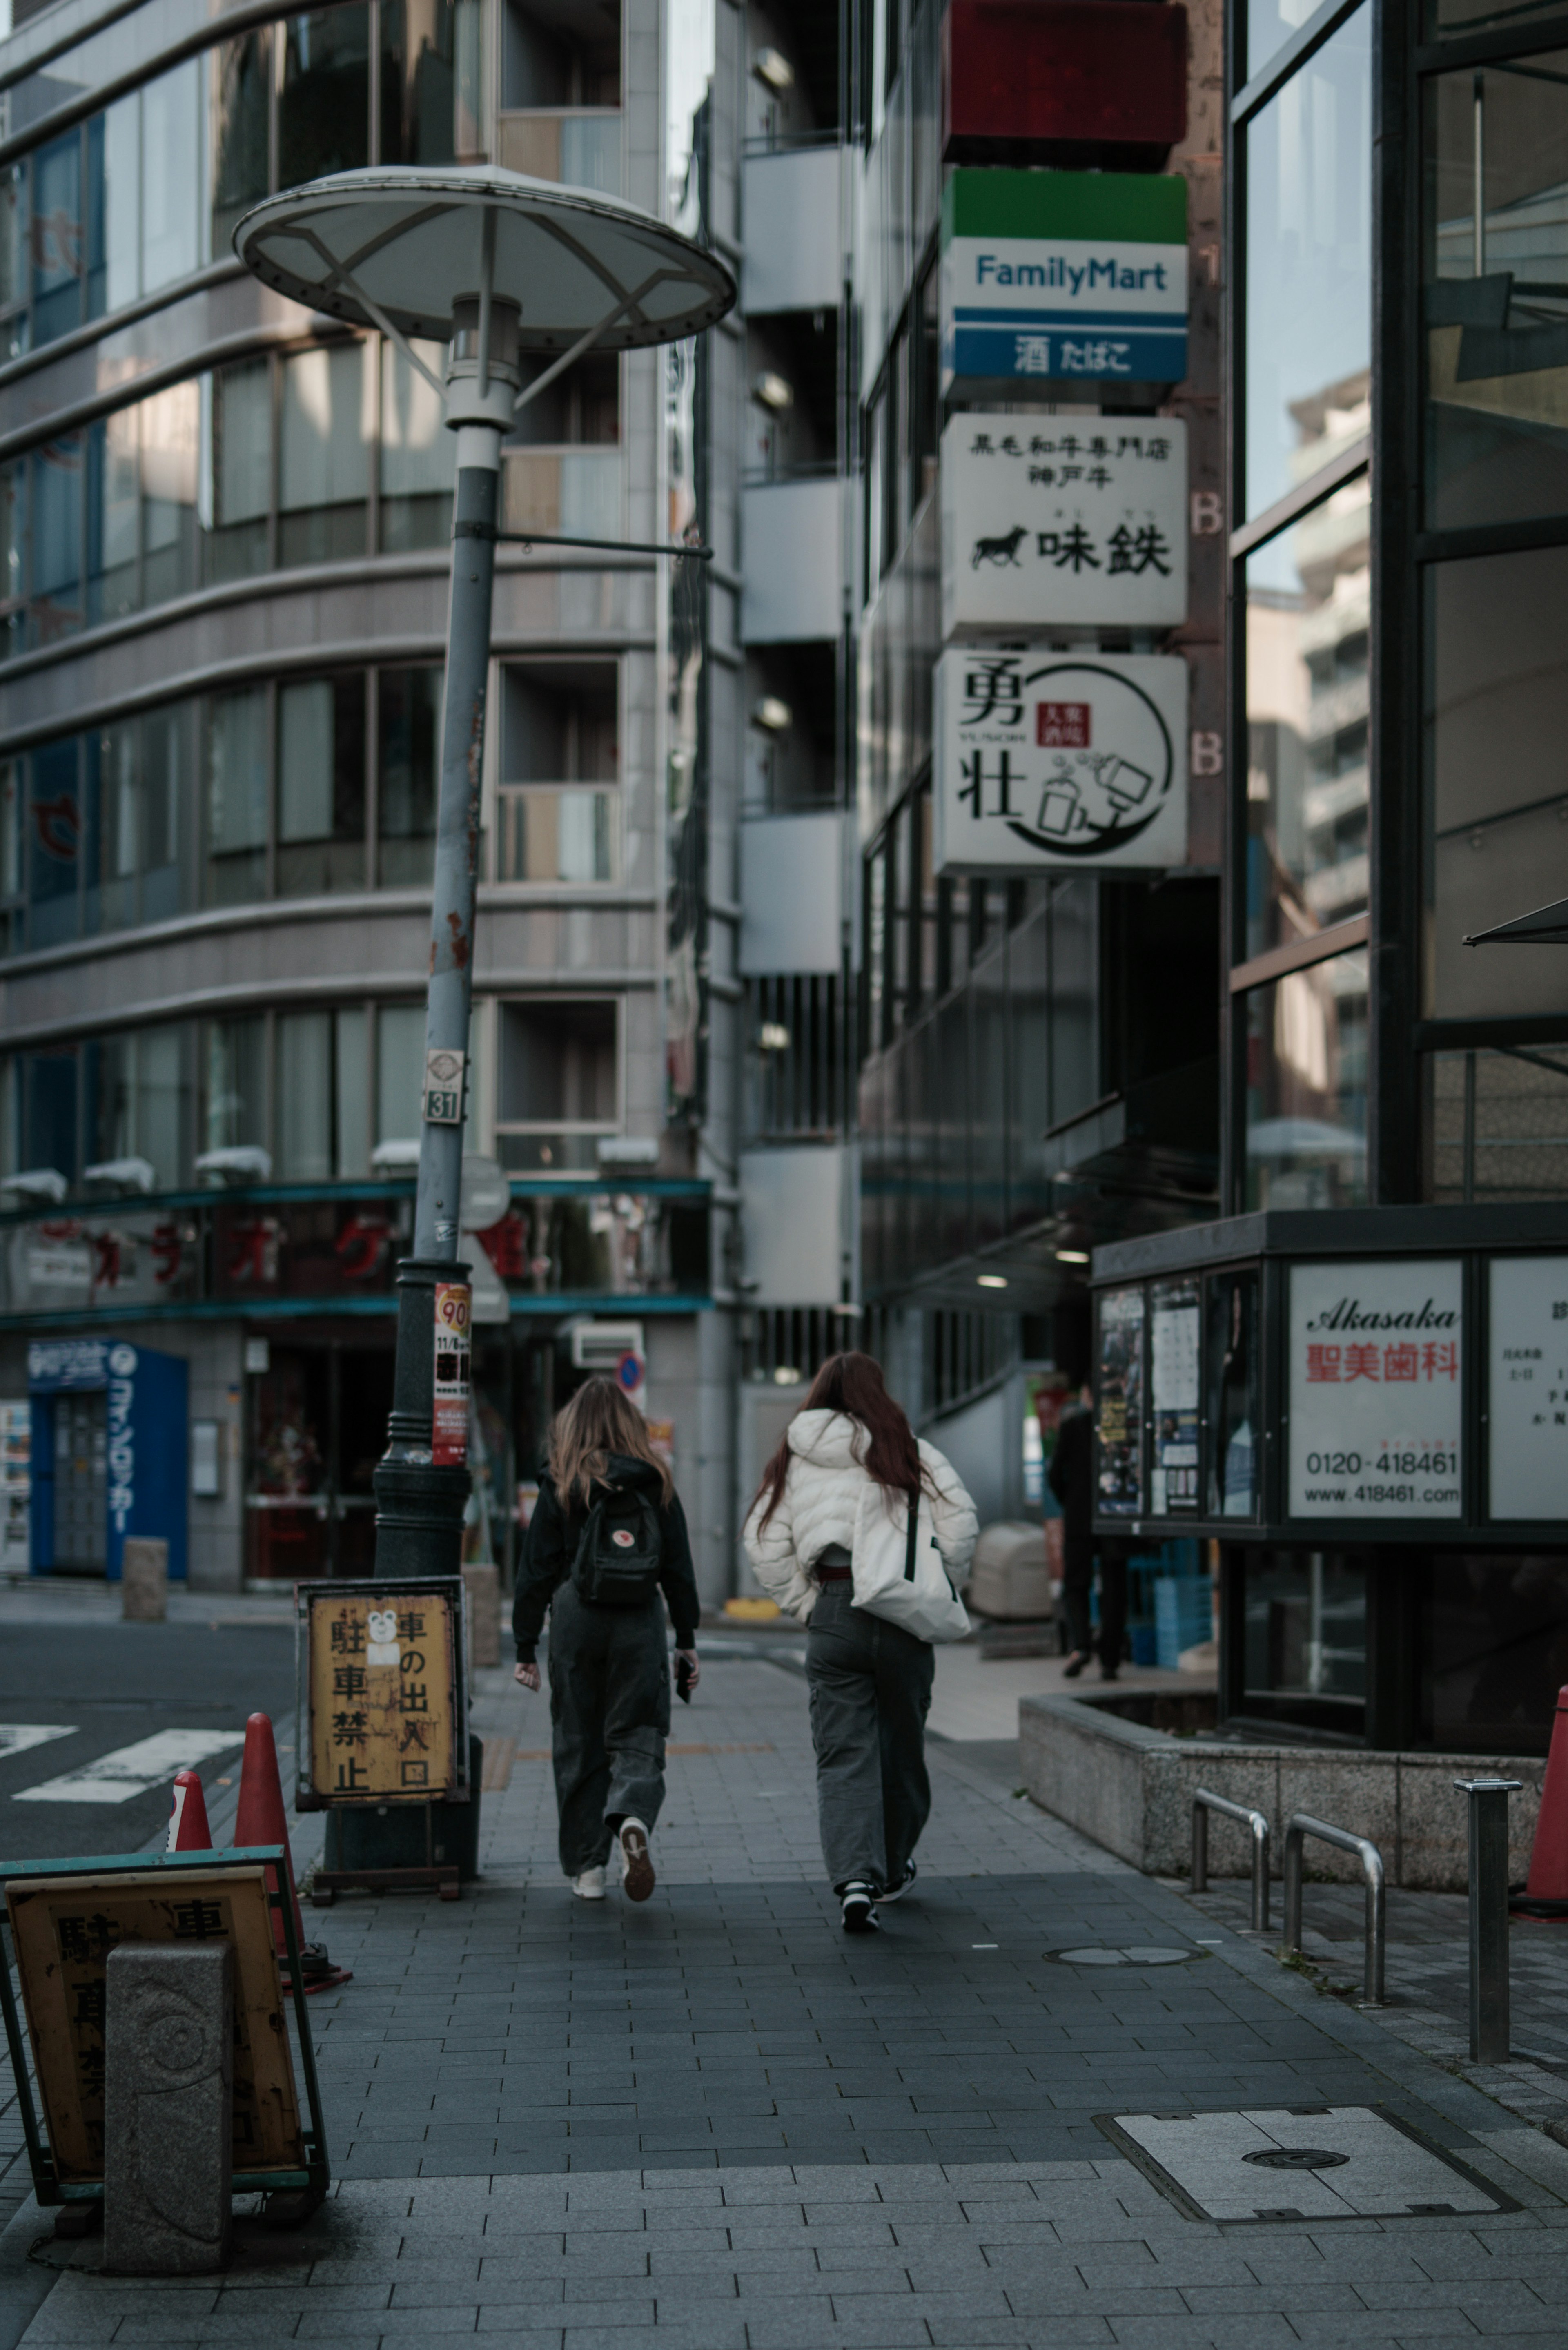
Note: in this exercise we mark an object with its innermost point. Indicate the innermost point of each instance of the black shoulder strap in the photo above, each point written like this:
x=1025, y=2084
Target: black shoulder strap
x=909, y=1539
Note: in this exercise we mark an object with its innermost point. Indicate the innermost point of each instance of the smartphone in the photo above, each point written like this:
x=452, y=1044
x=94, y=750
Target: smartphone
x=683, y=1681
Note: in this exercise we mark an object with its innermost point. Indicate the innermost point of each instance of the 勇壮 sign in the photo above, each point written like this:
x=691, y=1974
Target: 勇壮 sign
x=1072, y=760
x=1062, y=520
x=1376, y=1381
x=1063, y=275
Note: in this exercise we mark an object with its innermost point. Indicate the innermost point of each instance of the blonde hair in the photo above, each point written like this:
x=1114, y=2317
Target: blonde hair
x=597, y=1421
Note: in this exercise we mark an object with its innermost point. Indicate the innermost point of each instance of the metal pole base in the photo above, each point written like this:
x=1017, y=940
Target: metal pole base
x=419, y=1507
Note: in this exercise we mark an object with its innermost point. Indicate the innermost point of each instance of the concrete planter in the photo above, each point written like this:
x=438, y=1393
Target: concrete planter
x=1129, y=1785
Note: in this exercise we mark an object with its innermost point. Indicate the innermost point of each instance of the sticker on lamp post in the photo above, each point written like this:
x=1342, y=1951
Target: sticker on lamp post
x=448, y=1421
x=443, y=1087
x=1058, y=760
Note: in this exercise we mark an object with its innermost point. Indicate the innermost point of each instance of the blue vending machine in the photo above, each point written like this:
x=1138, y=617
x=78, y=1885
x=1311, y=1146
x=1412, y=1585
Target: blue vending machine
x=109, y=1448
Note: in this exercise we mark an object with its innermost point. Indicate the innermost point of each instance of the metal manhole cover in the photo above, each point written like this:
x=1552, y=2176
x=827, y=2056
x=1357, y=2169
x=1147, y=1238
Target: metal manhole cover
x=1345, y=2162
x=1131, y=1954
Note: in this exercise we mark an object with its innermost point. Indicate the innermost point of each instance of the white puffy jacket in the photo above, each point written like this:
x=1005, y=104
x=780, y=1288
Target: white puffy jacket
x=822, y=1490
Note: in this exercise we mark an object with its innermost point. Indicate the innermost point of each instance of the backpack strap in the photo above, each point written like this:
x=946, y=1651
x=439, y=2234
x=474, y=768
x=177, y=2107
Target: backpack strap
x=909, y=1540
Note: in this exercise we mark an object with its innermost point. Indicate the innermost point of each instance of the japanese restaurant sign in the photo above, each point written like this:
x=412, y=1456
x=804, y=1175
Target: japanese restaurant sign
x=382, y=1695
x=1062, y=520
x=1059, y=761
x=1376, y=1381
x=1528, y=1389
x=63, y=1930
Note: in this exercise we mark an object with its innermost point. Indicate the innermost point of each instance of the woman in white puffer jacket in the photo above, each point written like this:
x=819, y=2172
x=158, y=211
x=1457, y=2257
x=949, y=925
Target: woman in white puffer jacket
x=870, y=1680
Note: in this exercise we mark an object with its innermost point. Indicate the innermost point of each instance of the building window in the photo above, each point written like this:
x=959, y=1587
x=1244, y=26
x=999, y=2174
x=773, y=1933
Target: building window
x=408, y=728
x=400, y=1071
x=1308, y=617
x=1497, y=1124
x=1308, y=289
x=1306, y=1088
x=322, y=1090
x=558, y=804
x=321, y=785
x=559, y=1081
x=417, y=459
x=1304, y=1646
x=324, y=445
x=560, y=94
x=1496, y=802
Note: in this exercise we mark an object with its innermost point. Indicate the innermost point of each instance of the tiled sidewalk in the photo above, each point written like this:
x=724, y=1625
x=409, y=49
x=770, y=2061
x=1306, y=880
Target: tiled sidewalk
x=714, y=2121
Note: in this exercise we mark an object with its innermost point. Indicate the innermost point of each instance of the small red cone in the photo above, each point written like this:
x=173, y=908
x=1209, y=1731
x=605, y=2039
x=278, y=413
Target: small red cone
x=1545, y=1892
x=262, y=1819
x=188, y=1829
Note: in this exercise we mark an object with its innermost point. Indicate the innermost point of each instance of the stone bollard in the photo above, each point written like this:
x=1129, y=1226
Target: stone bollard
x=144, y=1580
x=168, y=2111
x=482, y=1585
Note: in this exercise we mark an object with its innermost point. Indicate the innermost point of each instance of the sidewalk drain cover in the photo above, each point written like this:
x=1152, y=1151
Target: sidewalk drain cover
x=1132, y=1954
x=1342, y=2162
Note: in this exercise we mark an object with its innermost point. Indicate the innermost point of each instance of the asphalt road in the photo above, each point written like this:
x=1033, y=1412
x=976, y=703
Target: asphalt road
x=111, y=1686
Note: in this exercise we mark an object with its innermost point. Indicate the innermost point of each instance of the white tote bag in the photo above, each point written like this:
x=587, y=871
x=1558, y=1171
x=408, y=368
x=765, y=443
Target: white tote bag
x=898, y=1570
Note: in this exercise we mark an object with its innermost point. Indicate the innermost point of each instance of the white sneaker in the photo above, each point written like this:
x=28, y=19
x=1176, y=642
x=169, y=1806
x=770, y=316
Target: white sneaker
x=637, y=1869
x=588, y=1885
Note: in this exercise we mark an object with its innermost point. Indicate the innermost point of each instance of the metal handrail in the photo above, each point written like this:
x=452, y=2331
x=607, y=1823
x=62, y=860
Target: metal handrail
x=1204, y=1802
x=1298, y=1827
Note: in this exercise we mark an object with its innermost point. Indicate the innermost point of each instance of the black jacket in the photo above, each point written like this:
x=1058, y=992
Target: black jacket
x=1070, y=1475
x=554, y=1534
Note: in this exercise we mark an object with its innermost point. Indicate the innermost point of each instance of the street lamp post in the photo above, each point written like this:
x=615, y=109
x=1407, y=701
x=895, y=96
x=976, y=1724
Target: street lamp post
x=498, y=267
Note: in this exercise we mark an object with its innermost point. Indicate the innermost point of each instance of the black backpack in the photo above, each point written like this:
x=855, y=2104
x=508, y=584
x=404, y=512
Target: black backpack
x=620, y=1550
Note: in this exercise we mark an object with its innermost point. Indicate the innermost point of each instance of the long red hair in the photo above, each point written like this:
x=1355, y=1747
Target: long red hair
x=853, y=1385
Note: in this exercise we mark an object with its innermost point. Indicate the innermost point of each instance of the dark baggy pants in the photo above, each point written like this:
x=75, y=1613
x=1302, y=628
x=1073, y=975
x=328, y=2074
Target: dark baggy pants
x=609, y=1717
x=871, y=1684
x=1078, y=1580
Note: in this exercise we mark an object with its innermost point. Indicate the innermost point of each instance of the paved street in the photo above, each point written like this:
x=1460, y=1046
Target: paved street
x=715, y=2121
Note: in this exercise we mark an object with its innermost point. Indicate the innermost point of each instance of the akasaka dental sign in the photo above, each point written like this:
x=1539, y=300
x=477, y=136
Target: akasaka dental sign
x=1053, y=275
x=1112, y=274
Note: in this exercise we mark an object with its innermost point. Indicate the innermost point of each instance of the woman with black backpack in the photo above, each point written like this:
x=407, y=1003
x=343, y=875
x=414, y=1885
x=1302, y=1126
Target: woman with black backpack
x=606, y=1539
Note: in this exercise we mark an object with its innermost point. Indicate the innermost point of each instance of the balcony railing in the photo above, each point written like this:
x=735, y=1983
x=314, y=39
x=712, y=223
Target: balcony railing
x=558, y=832
x=577, y=145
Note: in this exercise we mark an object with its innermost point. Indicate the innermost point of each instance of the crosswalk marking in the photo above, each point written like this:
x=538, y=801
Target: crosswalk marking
x=16, y=1737
x=132, y=1770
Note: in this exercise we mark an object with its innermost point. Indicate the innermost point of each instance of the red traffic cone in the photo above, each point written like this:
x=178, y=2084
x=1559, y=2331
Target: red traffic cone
x=188, y=1829
x=1545, y=1892
x=262, y=1819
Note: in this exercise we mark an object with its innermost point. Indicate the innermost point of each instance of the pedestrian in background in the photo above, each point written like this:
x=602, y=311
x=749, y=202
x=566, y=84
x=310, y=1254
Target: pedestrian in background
x=869, y=1678
x=607, y=1551
x=1071, y=1478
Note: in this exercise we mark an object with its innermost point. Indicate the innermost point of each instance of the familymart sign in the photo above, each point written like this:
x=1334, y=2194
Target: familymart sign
x=1063, y=275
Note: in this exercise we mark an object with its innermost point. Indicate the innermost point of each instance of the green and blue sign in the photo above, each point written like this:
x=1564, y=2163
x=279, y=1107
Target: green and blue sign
x=1056, y=275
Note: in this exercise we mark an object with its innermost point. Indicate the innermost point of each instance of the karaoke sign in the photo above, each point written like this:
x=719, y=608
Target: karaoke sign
x=1075, y=761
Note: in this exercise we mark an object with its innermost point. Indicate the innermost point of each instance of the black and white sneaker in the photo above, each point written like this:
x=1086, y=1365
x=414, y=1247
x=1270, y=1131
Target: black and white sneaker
x=859, y=1909
x=897, y=1892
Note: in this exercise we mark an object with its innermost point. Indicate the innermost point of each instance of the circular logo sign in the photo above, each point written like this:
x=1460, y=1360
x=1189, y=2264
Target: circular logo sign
x=629, y=1371
x=621, y=1539
x=122, y=1361
x=1110, y=763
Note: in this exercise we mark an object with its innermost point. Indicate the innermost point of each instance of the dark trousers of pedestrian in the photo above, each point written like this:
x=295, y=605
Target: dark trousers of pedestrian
x=609, y=1717
x=1112, y=1610
x=1077, y=1581
x=870, y=1689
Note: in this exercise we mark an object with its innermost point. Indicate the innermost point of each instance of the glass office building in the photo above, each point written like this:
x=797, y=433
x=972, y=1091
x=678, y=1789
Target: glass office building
x=225, y=531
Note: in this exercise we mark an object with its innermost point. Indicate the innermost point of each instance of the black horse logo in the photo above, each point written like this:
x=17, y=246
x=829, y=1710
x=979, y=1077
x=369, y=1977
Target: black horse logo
x=999, y=550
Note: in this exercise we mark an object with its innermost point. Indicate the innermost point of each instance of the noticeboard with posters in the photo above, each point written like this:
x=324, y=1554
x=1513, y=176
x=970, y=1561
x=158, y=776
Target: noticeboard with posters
x=1175, y=1315
x=380, y=1694
x=1119, y=1404
x=63, y=1929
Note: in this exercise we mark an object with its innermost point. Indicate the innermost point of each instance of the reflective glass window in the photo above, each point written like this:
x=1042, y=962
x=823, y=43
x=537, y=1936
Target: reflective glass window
x=139, y=1101
x=112, y=786
x=324, y=97
x=408, y=730
x=59, y=238
x=54, y=837
x=171, y=211
x=1308, y=617
x=239, y=77
x=324, y=453
x=121, y=199
x=400, y=1071
x=1497, y=1643
x=559, y=1082
x=236, y=469
x=235, y=1085
x=235, y=755
x=1304, y=1647
x=55, y=516
x=50, y=1107
x=1496, y=801
x=1497, y=1124
x=1495, y=293
x=429, y=58
x=15, y=268
x=1309, y=266
x=1306, y=1088
x=418, y=456
x=321, y=785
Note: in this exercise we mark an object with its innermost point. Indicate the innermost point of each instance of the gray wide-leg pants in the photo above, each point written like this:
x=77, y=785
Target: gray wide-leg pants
x=871, y=1684
x=609, y=1717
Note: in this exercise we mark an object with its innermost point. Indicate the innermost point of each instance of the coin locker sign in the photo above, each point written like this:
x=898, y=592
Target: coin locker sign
x=1377, y=1388
x=1049, y=760
x=1062, y=520
x=383, y=1706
